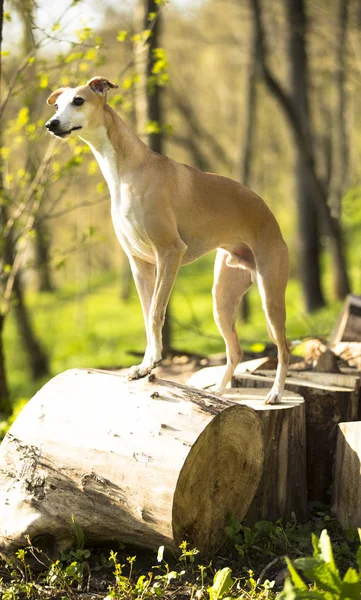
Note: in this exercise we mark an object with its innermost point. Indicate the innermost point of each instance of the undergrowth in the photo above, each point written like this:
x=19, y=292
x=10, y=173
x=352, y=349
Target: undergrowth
x=252, y=565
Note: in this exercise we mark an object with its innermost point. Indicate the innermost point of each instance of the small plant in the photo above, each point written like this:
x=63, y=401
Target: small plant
x=321, y=570
x=187, y=554
x=222, y=583
x=264, y=537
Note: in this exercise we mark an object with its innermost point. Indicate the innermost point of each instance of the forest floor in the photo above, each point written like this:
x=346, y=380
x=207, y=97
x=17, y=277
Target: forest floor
x=250, y=565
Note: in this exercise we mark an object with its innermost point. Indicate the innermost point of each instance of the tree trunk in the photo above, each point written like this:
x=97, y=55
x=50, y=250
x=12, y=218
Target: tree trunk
x=4, y=390
x=5, y=405
x=141, y=462
x=248, y=145
x=38, y=360
x=303, y=142
x=340, y=143
x=307, y=214
x=154, y=91
x=42, y=257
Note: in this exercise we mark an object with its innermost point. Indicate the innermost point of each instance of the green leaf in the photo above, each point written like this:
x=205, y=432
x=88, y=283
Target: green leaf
x=326, y=550
x=234, y=525
x=289, y=593
x=320, y=573
x=351, y=586
x=296, y=578
x=315, y=544
x=122, y=35
x=222, y=582
x=264, y=526
x=78, y=532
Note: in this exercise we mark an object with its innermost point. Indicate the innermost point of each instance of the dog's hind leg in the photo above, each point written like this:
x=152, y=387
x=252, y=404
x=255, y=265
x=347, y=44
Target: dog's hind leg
x=272, y=276
x=230, y=283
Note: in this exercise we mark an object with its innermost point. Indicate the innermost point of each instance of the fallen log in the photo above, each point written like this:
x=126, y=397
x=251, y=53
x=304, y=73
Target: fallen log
x=346, y=488
x=141, y=462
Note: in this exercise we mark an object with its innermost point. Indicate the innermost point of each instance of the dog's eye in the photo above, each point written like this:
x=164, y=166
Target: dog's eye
x=78, y=101
x=56, y=106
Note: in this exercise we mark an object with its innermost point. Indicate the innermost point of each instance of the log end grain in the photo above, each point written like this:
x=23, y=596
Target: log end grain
x=220, y=476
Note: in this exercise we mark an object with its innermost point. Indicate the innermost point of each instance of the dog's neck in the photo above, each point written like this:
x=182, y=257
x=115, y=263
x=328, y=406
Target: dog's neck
x=116, y=148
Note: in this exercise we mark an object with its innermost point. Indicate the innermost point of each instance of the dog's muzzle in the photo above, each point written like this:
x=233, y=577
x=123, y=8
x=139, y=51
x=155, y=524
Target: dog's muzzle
x=53, y=126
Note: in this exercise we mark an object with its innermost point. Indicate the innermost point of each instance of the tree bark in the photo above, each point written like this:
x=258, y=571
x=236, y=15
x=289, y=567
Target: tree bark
x=42, y=257
x=316, y=188
x=308, y=226
x=248, y=146
x=141, y=462
x=37, y=357
x=340, y=145
x=5, y=406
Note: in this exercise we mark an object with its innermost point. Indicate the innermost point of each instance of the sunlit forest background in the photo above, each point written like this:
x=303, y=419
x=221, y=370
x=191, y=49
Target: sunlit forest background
x=266, y=92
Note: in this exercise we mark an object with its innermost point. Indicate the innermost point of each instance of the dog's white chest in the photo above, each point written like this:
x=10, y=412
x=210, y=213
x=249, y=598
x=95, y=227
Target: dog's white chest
x=126, y=207
x=128, y=223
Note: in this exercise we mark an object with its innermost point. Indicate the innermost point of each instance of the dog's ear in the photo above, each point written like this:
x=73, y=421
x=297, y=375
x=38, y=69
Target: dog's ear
x=54, y=96
x=100, y=85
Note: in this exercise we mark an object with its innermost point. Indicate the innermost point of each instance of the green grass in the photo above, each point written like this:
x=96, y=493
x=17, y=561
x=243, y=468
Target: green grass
x=86, y=324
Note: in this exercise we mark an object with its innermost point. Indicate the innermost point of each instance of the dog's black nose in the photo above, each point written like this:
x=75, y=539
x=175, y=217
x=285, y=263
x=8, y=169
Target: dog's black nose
x=52, y=124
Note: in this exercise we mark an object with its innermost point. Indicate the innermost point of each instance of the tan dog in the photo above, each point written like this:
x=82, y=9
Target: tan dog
x=167, y=214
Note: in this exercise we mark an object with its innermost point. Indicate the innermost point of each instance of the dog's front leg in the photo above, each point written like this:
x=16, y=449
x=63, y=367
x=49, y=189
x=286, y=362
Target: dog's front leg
x=144, y=279
x=168, y=263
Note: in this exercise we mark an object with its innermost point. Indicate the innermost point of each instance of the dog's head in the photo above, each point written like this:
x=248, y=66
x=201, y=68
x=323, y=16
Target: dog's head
x=77, y=107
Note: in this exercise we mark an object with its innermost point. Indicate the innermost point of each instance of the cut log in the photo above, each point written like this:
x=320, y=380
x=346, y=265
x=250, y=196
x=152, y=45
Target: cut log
x=327, y=403
x=283, y=487
x=346, y=489
x=143, y=462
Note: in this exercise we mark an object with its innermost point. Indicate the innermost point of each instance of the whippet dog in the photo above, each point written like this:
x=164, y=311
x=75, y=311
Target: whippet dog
x=167, y=214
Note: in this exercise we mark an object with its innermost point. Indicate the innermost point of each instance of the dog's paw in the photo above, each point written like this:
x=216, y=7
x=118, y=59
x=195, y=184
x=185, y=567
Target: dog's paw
x=273, y=397
x=139, y=371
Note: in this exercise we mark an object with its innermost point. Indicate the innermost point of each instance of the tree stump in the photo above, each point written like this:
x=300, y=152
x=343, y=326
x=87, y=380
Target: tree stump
x=346, y=488
x=283, y=486
x=142, y=462
x=329, y=400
